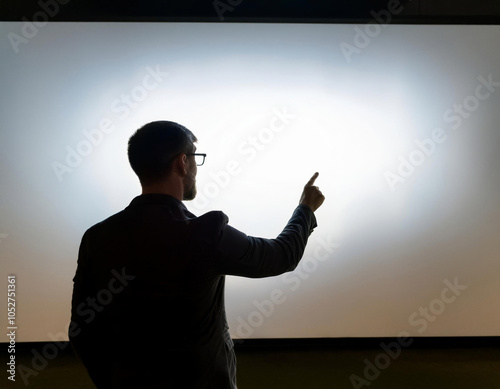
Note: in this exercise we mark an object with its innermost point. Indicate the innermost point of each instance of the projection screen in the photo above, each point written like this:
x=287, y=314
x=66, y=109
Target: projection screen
x=401, y=122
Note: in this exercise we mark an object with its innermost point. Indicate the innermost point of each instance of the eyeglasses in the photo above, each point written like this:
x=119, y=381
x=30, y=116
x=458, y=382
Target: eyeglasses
x=199, y=158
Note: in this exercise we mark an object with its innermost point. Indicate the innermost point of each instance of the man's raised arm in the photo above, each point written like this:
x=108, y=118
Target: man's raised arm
x=247, y=256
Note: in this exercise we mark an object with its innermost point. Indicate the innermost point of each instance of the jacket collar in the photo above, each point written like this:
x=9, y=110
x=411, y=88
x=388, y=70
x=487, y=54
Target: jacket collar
x=157, y=198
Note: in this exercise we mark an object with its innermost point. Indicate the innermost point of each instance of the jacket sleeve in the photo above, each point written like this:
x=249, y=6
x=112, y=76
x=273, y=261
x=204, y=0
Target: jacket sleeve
x=80, y=292
x=80, y=287
x=86, y=334
x=248, y=256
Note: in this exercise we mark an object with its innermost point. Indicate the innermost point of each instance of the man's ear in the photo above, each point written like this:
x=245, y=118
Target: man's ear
x=180, y=164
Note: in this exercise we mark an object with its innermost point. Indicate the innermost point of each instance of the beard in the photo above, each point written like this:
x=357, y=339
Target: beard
x=190, y=194
x=189, y=189
x=190, y=182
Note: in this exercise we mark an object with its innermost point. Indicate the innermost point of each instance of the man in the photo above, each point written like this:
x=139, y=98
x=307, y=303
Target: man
x=148, y=299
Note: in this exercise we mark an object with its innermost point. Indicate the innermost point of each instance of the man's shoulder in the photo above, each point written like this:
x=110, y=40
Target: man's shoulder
x=205, y=231
x=113, y=220
x=213, y=221
x=213, y=216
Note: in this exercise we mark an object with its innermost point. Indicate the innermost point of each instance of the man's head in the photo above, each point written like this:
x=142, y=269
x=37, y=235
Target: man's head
x=162, y=150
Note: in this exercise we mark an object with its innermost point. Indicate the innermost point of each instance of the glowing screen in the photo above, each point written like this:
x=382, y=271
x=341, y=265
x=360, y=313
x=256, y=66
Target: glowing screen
x=402, y=125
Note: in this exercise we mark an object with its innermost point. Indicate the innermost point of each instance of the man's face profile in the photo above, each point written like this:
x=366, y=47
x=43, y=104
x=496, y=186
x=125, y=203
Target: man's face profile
x=190, y=180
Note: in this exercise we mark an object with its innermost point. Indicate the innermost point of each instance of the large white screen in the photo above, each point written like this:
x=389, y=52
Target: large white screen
x=402, y=126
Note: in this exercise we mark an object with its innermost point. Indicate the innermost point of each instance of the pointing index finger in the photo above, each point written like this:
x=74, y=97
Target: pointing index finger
x=313, y=178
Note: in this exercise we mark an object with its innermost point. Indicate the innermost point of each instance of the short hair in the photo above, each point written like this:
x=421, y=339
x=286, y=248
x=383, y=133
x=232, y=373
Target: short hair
x=152, y=148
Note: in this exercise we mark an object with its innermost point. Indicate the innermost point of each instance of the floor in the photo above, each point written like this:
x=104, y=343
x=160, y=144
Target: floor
x=301, y=367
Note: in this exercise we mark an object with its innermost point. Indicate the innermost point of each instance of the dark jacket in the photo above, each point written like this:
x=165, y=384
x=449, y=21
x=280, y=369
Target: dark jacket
x=148, y=298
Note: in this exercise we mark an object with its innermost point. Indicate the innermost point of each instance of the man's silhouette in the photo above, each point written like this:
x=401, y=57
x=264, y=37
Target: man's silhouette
x=148, y=299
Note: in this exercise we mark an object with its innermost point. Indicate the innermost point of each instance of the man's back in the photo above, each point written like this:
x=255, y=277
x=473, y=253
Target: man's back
x=159, y=299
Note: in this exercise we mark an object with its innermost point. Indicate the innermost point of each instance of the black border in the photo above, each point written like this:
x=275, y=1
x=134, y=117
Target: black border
x=254, y=11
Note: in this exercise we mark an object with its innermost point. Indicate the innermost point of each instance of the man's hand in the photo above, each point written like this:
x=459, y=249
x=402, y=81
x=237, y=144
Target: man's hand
x=311, y=195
